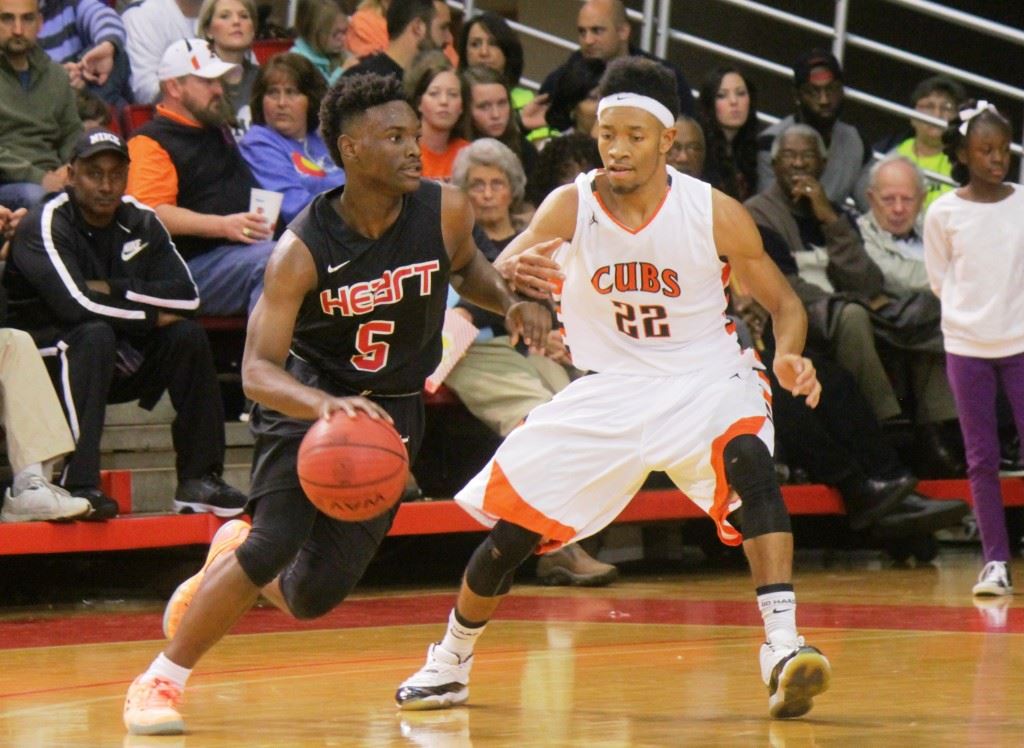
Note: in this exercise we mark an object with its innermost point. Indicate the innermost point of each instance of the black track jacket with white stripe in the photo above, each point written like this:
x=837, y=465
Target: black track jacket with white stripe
x=55, y=253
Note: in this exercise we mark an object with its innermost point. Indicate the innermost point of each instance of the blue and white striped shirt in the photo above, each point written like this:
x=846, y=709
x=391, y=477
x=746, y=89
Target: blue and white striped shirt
x=72, y=27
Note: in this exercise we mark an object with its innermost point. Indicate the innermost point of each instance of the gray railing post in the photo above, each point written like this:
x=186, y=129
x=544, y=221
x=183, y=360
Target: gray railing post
x=647, y=30
x=664, y=17
x=839, y=29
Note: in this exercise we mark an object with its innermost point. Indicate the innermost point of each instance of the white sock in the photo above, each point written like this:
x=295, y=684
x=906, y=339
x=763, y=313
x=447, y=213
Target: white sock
x=459, y=639
x=778, y=610
x=166, y=669
x=35, y=469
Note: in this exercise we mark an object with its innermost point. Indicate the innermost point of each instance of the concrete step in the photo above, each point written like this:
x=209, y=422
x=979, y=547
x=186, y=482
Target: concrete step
x=164, y=459
x=129, y=414
x=157, y=437
x=153, y=488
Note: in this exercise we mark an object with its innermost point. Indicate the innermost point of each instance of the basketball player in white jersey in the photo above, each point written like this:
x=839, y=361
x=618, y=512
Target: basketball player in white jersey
x=644, y=253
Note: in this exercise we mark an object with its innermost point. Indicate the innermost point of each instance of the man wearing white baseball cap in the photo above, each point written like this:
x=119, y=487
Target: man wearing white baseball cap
x=186, y=166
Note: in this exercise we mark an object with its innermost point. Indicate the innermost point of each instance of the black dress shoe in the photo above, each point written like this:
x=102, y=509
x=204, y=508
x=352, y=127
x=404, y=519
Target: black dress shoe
x=876, y=498
x=209, y=494
x=103, y=507
x=918, y=515
x=938, y=456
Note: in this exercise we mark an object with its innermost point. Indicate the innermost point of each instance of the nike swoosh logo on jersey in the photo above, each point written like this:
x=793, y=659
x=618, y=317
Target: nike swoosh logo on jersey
x=339, y=266
x=132, y=248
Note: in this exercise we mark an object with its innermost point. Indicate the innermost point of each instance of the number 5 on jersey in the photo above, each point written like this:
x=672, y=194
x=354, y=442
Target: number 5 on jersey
x=373, y=353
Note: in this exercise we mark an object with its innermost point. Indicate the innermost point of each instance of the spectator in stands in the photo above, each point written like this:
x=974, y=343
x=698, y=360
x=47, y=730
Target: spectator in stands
x=688, y=150
x=435, y=92
x=92, y=110
x=488, y=105
x=229, y=27
x=37, y=434
x=892, y=236
x=37, y=109
x=840, y=443
x=88, y=38
x=974, y=253
x=604, y=35
x=186, y=166
x=818, y=85
x=575, y=95
x=153, y=26
x=320, y=26
x=95, y=279
x=367, y=32
x=728, y=113
x=500, y=384
x=283, y=148
x=414, y=26
x=488, y=40
x=797, y=219
x=892, y=229
x=940, y=97
x=560, y=162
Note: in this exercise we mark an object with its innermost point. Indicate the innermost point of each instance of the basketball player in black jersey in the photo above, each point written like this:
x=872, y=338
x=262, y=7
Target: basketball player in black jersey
x=350, y=319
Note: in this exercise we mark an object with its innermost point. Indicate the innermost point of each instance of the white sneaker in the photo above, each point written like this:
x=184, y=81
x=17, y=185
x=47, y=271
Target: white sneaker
x=39, y=499
x=441, y=683
x=794, y=676
x=994, y=579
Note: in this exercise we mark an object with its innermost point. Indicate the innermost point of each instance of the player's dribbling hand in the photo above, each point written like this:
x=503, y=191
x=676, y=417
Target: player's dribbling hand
x=352, y=406
x=531, y=322
x=797, y=374
x=532, y=272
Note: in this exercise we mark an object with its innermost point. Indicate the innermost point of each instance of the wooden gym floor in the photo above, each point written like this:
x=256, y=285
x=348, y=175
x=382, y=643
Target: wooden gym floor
x=650, y=661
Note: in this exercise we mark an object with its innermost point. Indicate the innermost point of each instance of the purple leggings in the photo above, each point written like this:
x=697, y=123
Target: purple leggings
x=974, y=381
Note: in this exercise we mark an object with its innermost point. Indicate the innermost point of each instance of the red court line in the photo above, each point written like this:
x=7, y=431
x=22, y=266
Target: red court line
x=37, y=631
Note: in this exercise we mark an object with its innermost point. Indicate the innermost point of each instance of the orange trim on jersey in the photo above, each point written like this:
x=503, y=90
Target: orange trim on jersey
x=619, y=223
x=502, y=500
x=720, y=505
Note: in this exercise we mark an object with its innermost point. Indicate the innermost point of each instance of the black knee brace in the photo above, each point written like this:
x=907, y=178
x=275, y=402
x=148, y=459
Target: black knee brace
x=751, y=472
x=492, y=567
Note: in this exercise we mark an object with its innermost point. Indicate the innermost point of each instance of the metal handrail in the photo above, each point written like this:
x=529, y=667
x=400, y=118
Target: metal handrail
x=960, y=18
x=851, y=93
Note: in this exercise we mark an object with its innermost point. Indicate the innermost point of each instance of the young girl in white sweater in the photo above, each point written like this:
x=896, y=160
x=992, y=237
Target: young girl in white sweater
x=974, y=255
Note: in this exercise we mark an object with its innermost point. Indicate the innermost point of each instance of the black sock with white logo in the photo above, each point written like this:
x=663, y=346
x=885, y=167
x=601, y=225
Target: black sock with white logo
x=777, y=603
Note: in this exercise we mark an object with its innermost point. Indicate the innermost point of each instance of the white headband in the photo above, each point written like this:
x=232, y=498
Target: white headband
x=659, y=110
x=966, y=115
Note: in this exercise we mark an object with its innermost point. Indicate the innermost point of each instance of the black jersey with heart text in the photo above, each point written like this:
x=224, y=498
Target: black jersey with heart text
x=373, y=324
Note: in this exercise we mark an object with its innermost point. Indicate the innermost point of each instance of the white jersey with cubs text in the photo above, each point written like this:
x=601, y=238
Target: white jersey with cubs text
x=649, y=301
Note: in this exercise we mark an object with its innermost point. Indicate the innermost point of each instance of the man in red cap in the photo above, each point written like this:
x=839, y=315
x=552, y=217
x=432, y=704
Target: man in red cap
x=818, y=88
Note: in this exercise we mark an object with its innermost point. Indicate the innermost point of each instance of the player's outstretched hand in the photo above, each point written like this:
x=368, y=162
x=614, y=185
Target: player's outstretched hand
x=532, y=272
x=531, y=322
x=352, y=406
x=797, y=374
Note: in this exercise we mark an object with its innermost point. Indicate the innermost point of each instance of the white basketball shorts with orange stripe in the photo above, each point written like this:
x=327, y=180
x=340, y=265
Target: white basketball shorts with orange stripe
x=576, y=462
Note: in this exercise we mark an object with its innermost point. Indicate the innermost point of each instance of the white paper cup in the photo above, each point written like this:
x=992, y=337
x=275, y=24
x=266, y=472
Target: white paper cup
x=267, y=203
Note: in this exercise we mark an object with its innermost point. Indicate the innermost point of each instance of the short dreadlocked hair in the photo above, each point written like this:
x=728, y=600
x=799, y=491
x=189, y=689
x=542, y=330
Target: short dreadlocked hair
x=641, y=76
x=348, y=99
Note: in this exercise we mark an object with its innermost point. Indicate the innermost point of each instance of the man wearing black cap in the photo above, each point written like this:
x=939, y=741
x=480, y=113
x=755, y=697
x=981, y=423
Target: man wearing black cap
x=818, y=85
x=94, y=277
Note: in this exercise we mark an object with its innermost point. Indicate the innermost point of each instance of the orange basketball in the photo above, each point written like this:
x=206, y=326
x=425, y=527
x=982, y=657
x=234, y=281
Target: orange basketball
x=353, y=469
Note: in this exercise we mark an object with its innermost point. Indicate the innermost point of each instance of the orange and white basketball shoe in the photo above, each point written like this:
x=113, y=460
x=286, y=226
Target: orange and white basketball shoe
x=794, y=676
x=230, y=535
x=151, y=707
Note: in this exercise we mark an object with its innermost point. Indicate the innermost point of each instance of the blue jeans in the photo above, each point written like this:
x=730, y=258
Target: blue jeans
x=230, y=278
x=16, y=195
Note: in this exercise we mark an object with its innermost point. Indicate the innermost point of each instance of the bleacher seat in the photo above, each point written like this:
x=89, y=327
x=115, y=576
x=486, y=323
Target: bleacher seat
x=135, y=116
x=264, y=49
